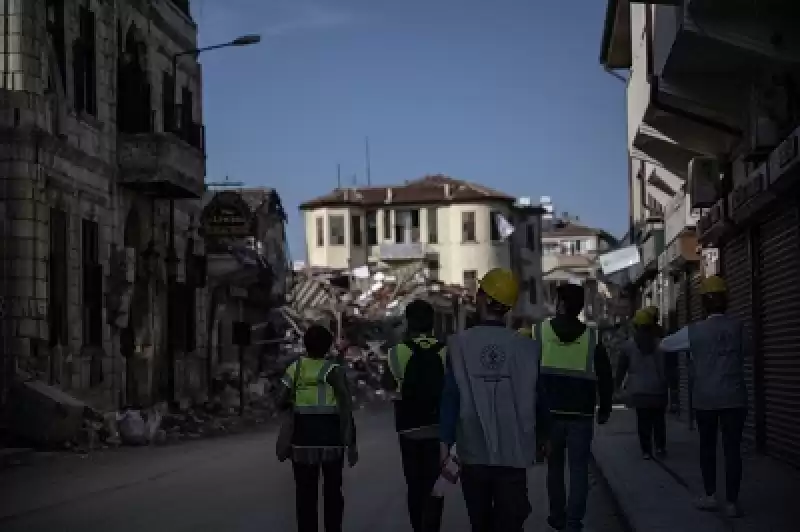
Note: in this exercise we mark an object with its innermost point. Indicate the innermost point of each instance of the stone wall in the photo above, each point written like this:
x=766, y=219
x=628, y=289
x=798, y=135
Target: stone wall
x=53, y=156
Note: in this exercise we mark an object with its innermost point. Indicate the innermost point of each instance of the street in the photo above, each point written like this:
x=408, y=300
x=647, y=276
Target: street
x=231, y=484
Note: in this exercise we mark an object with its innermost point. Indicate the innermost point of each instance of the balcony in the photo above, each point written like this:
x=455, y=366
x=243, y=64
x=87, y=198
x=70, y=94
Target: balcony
x=674, y=116
x=390, y=251
x=161, y=165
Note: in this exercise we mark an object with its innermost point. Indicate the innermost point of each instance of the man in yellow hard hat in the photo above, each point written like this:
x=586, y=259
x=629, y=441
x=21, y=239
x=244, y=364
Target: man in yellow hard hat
x=717, y=347
x=577, y=378
x=492, y=409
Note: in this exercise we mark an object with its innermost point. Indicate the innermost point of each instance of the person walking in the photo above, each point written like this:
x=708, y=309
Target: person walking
x=492, y=409
x=717, y=349
x=575, y=371
x=323, y=431
x=416, y=370
x=642, y=362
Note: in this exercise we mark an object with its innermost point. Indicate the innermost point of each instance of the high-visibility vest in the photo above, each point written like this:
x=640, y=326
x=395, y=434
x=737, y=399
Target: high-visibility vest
x=567, y=359
x=313, y=394
x=400, y=354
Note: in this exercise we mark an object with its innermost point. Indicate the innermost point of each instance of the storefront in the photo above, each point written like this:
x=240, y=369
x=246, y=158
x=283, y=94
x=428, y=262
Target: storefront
x=760, y=260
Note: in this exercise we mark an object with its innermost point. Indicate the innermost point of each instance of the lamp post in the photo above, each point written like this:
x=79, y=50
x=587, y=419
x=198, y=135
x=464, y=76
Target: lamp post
x=172, y=259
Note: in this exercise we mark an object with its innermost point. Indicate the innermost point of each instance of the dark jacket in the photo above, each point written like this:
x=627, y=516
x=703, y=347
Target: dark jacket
x=569, y=394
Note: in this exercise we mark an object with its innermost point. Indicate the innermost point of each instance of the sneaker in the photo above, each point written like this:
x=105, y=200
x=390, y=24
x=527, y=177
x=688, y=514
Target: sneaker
x=706, y=503
x=732, y=510
x=661, y=453
x=556, y=524
x=647, y=456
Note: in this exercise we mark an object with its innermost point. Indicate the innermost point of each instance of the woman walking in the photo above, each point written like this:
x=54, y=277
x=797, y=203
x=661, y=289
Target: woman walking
x=323, y=431
x=646, y=387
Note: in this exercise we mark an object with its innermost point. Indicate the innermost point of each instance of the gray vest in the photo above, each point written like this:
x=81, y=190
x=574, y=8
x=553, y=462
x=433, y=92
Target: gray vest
x=717, y=367
x=496, y=370
x=646, y=372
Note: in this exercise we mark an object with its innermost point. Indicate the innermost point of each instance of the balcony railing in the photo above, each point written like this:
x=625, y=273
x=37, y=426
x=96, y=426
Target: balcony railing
x=404, y=251
x=161, y=165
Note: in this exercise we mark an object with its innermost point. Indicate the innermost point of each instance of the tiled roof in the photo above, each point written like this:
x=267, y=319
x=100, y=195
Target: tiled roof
x=569, y=229
x=429, y=189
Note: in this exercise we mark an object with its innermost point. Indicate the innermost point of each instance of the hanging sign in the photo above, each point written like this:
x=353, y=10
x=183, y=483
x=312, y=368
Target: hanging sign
x=227, y=216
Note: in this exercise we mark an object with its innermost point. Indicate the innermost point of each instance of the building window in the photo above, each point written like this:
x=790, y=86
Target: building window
x=433, y=226
x=471, y=280
x=336, y=227
x=168, y=101
x=372, y=228
x=55, y=28
x=401, y=222
x=494, y=228
x=320, y=223
x=92, y=284
x=58, y=280
x=355, y=228
x=414, y=220
x=387, y=224
x=530, y=236
x=84, y=64
x=468, y=227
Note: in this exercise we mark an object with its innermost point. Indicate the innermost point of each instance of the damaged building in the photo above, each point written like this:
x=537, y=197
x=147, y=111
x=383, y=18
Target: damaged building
x=103, y=165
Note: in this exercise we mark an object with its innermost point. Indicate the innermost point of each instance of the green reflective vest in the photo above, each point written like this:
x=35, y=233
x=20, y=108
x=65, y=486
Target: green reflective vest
x=400, y=354
x=568, y=359
x=313, y=394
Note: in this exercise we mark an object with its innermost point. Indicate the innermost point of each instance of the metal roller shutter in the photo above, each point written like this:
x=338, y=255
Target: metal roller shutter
x=779, y=311
x=738, y=277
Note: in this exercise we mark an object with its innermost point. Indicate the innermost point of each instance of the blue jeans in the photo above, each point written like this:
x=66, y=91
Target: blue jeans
x=569, y=438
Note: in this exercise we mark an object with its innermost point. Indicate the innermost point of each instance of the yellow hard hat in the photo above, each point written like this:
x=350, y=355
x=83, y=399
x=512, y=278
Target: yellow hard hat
x=713, y=285
x=501, y=285
x=643, y=318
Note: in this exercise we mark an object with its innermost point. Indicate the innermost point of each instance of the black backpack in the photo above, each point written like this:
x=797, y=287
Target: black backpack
x=421, y=390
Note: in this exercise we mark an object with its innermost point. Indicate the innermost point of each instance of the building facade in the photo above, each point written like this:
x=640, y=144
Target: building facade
x=713, y=124
x=447, y=223
x=103, y=159
x=569, y=255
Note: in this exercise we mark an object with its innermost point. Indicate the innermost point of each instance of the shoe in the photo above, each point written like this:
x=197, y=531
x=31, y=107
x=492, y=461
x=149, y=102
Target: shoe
x=732, y=510
x=647, y=456
x=707, y=503
x=661, y=453
x=556, y=524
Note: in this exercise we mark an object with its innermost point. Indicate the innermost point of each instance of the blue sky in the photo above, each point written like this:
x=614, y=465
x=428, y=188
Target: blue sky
x=508, y=93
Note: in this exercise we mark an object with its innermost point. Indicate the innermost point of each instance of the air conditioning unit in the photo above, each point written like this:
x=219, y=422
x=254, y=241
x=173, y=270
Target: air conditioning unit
x=704, y=182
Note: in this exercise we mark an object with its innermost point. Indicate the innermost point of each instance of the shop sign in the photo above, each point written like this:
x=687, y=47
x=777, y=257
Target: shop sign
x=227, y=216
x=785, y=157
x=749, y=196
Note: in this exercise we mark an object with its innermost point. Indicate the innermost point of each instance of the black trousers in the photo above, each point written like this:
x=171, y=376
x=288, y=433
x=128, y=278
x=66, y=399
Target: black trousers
x=306, y=478
x=651, y=424
x=421, y=469
x=730, y=422
x=496, y=497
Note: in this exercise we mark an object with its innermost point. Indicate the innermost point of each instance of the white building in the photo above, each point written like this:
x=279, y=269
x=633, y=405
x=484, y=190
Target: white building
x=449, y=227
x=713, y=135
x=569, y=255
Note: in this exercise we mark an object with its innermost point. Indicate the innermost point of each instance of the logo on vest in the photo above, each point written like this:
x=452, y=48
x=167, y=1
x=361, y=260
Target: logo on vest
x=492, y=357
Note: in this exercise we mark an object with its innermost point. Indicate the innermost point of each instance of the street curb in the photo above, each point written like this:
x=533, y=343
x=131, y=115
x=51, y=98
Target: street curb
x=624, y=519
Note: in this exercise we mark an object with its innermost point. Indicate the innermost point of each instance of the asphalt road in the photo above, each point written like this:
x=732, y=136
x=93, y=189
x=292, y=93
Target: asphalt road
x=229, y=484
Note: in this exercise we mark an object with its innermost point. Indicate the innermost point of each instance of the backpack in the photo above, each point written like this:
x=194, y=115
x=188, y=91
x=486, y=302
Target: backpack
x=421, y=390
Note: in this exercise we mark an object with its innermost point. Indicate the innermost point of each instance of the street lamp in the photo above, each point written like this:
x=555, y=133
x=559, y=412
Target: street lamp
x=172, y=259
